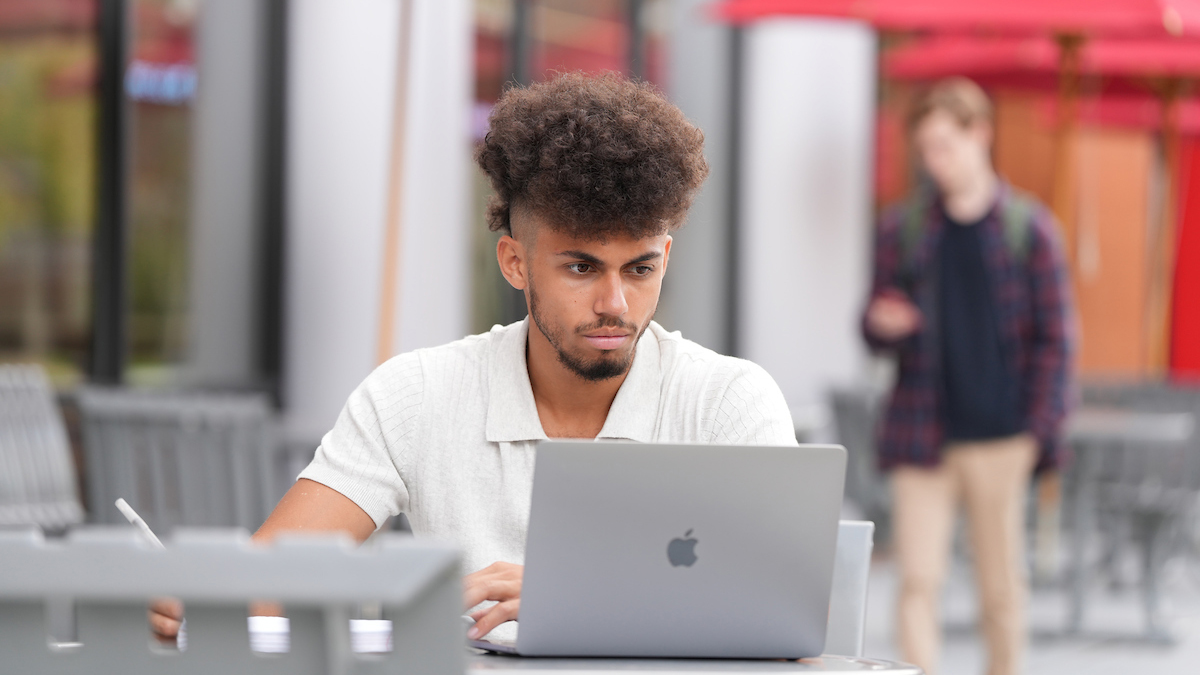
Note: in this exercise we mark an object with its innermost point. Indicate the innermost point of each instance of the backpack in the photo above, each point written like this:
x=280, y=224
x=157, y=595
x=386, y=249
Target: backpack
x=1016, y=217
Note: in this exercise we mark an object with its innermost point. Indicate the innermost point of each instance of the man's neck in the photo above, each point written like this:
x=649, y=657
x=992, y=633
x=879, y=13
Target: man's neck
x=568, y=405
x=971, y=201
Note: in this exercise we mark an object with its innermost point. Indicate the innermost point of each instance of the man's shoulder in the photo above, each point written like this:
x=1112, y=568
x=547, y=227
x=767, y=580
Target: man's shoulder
x=732, y=400
x=895, y=213
x=461, y=358
x=693, y=362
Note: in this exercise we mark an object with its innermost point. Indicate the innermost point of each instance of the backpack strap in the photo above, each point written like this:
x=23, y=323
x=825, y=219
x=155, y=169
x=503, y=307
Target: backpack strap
x=1017, y=220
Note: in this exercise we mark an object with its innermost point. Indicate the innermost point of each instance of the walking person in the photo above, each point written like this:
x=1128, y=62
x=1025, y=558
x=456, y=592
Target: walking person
x=971, y=293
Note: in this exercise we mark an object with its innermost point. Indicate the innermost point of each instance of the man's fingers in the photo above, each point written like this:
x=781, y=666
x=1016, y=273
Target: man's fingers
x=266, y=608
x=495, y=570
x=168, y=607
x=165, y=615
x=491, y=589
x=494, y=616
x=163, y=625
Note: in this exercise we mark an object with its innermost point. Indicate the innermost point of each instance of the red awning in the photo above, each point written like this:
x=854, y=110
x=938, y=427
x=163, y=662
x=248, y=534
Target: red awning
x=1148, y=18
x=944, y=55
x=1120, y=74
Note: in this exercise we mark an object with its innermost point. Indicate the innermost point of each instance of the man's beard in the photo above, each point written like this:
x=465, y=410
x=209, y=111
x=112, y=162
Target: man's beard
x=603, y=368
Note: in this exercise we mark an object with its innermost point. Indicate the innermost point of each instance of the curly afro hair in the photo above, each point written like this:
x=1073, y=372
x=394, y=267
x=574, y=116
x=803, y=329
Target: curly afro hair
x=594, y=156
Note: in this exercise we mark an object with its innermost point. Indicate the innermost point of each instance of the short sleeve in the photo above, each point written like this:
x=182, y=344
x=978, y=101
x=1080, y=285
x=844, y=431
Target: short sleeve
x=751, y=410
x=363, y=456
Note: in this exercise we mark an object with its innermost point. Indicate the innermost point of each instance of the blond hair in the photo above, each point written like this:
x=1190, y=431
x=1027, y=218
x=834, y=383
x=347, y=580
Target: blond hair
x=964, y=100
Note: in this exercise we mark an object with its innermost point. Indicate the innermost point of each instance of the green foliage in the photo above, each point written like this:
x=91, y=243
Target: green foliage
x=47, y=178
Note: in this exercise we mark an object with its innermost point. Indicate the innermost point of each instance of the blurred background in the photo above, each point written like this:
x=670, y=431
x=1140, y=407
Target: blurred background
x=217, y=216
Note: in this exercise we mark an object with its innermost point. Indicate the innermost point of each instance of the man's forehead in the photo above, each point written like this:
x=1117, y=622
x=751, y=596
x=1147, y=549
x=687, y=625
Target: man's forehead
x=530, y=227
x=941, y=123
x=555, y=242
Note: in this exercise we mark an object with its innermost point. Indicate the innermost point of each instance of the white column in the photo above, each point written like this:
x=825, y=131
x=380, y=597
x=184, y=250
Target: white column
x=342, y=61
x=435, y=279
x=806, y=213
x=695, y=297
x=224, y=248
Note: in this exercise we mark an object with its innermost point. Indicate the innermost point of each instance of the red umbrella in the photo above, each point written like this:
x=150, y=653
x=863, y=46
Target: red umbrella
x=1145, y=18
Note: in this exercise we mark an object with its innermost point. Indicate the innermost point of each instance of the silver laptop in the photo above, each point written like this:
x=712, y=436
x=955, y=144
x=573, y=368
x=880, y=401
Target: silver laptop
x=679, y=551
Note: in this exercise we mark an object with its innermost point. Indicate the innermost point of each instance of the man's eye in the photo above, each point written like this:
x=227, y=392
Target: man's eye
x=643, y=270
x=579, y=268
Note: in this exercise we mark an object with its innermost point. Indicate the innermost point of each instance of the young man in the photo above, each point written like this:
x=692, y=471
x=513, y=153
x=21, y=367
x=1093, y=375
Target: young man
x=591, y=175
x=971, y=293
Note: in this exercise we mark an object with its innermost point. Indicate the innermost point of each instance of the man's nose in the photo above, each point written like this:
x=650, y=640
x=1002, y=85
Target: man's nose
x=611, y=298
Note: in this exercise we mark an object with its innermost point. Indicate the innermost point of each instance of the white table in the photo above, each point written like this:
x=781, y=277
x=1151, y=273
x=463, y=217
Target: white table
x=269, y=634
x=1113, y=425
x=489, y=664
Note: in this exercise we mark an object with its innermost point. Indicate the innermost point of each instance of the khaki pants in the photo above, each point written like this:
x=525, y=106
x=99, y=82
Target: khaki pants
x=991, y=479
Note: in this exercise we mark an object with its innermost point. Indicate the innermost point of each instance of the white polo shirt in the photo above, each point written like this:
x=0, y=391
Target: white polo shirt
x=446, y=435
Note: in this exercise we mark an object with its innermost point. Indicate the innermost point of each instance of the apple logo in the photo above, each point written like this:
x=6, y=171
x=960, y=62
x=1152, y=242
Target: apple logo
x=682, y=551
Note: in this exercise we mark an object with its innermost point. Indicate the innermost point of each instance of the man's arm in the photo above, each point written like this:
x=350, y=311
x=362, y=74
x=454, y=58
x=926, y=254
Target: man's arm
x=311, y=507
x=307, y=507
x=890, y=316
x=1048, y=374
x=353, y=483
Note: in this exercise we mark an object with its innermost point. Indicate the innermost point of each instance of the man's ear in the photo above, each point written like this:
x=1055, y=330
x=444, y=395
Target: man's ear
x=667, y=253
x=511, y=254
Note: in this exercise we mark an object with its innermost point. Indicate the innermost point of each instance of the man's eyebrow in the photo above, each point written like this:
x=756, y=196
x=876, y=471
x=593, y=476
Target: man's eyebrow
x=645, y=257
x=593, y=260
x=580, y=255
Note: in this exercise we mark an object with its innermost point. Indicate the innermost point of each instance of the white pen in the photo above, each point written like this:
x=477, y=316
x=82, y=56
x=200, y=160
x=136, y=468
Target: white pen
x=133, y=517
x=137, y=521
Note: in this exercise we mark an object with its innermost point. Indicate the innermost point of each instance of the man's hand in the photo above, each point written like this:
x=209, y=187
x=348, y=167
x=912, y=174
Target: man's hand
x=891, y=316
x=499, y=582
x=165, y=615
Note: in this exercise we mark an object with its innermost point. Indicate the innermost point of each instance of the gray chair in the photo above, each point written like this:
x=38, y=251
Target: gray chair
x=846, y=629
x=37, y=474
x=179, y=458
x=856, y=419
x=111, y=573
x=1135, y=479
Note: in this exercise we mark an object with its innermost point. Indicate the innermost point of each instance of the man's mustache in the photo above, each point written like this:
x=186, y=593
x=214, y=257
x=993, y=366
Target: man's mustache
x=608, y=322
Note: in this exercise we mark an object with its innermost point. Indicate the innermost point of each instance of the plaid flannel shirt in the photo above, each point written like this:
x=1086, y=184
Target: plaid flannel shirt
x=1032, y=301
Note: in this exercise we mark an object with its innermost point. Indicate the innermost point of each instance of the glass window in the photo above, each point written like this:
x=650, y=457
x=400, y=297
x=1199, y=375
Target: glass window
x=160, y=84
x=655, y=21
x=492, y=299
x=588, y=35
x=47, y=138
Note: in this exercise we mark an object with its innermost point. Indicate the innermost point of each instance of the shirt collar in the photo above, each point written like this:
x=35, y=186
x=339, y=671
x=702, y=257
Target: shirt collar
x=512, y=414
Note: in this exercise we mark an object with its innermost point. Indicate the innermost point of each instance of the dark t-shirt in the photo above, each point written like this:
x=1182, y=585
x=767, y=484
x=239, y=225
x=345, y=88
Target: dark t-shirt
x=981, y=393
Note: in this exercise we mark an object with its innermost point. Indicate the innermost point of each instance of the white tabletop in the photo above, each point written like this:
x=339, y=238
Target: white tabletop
x=488, y=664
x=1122, y=425
x=270, y=634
